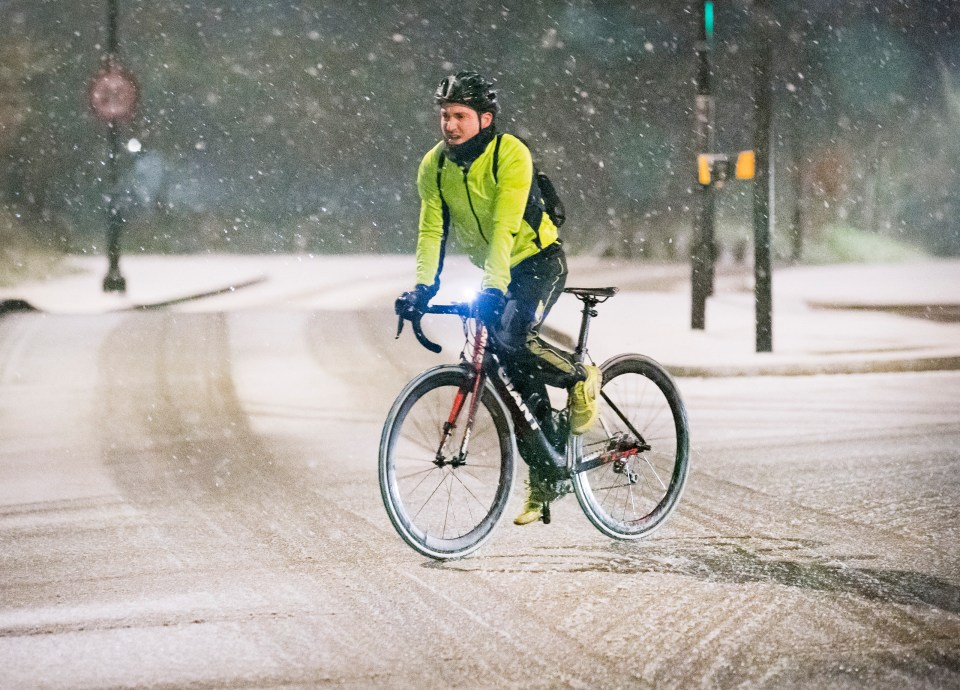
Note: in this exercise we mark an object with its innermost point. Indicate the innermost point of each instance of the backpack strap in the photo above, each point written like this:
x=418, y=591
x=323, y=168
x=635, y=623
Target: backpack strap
x=443, y=204
x=445, y=212
x=533, y=213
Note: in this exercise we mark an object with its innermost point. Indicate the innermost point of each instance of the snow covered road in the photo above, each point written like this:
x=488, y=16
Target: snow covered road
x=190, y=500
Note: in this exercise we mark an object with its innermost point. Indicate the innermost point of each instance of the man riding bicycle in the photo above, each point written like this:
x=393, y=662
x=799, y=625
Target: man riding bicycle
x=482, y=185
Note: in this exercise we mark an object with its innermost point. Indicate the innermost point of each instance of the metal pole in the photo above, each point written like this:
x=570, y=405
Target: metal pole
x=111, y=27
x=763, y=196
x=702, y=246
x=114, y=280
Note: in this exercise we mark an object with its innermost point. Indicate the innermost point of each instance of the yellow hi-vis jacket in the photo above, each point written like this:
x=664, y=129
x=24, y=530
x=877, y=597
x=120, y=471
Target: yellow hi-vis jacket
x=498, y=219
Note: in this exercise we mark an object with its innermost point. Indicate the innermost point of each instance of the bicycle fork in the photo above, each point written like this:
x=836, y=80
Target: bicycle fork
x=474, y=393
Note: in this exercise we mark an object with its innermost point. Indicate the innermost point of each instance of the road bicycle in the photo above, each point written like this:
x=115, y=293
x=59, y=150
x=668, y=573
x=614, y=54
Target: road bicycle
x=450, y=440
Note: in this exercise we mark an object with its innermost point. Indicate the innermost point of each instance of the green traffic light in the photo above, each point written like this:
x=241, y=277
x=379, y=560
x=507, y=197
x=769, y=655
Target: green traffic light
x=708, y=19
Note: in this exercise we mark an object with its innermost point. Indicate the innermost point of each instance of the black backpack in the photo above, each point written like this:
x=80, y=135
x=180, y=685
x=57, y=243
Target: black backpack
x=552, y=205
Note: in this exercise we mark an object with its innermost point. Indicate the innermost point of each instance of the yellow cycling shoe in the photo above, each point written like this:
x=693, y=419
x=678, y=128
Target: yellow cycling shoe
x=533, y=508
x=583, y=401
x=532, y=512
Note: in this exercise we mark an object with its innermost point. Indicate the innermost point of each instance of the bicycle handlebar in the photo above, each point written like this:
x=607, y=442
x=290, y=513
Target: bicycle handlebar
x=461, y=309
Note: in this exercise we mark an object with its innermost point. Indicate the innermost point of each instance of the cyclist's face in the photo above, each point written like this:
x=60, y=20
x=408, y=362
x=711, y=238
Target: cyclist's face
x=458, y=122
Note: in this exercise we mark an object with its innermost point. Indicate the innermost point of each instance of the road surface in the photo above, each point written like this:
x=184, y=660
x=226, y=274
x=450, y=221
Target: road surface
x=189, y=500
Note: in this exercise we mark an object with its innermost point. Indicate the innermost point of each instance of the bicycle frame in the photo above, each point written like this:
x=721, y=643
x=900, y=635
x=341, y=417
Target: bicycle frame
x=526, y=427
x=484, y=365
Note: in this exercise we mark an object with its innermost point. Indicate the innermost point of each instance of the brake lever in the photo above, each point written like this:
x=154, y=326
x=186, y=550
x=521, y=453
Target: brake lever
x=414, y=318
x=424, y=340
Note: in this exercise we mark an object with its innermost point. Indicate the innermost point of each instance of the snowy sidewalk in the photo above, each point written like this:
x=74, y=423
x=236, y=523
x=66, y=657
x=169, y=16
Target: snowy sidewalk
x=826, y=319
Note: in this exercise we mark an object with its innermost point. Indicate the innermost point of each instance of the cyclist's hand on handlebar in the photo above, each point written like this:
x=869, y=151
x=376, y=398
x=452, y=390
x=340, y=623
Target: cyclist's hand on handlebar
x=410, y=306
x=413, y=302
x=406, y=306
x=490, y=304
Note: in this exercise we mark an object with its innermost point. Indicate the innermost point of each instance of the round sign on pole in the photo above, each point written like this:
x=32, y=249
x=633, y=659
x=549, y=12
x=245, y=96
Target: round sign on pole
x=113, y=94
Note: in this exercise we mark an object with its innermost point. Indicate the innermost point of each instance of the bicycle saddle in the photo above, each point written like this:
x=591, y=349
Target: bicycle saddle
x=602, y=293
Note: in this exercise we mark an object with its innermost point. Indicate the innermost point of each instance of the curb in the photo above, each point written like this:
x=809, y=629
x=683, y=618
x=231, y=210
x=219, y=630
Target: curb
x=197, y=296
x=807, y=365
x=15, y=305
x=22, y=305
x=948, y=312
x=814, y=368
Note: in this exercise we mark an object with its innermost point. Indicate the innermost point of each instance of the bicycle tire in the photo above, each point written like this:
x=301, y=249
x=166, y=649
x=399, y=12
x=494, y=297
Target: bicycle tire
x=632, y=498
x=445, y=512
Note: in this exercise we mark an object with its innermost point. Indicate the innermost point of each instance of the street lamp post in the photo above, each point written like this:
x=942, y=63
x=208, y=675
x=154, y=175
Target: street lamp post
x=114, y=280
x=113, y=96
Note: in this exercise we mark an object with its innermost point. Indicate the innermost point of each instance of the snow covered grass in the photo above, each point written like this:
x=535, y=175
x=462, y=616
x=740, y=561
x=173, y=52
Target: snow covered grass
x=845, y=244
x=22, y=257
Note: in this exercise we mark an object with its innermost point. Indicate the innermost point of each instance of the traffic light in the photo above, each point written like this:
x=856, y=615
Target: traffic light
x=708, y=20
x=717, y=167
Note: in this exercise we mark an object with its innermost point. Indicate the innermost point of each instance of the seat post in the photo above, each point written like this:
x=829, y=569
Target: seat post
x=588, y=312
x=590, y=297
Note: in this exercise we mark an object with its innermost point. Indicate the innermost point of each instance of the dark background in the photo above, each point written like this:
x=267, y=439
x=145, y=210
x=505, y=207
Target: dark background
x=296, y=126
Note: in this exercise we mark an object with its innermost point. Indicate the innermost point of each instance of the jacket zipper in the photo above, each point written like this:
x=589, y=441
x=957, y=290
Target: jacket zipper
x=472, y=210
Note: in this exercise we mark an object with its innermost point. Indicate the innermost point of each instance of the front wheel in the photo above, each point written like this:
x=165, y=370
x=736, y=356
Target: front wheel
x=630, y=468
x=445, y=503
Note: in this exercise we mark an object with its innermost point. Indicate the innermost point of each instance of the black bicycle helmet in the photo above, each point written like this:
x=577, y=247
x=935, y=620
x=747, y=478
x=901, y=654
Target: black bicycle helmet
x=469, y=89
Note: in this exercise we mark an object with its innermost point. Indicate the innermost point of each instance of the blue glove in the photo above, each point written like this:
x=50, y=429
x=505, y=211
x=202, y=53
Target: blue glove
x=490, y=304
x=414, y=301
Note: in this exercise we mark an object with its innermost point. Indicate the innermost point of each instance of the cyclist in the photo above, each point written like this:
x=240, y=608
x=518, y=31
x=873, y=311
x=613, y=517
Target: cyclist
x=482, y=186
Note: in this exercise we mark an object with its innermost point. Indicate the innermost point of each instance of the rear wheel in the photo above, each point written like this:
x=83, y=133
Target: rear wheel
x=443, y=505
x=637, y=451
